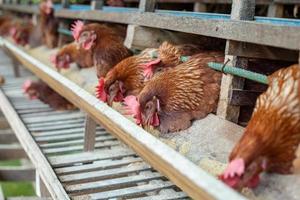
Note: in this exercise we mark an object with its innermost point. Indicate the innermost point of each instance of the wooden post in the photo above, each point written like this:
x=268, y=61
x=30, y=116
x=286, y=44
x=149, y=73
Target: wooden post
x=16, y=67
x=97, y=4
x=241, y=10
x=65, y=4
x=147, y=5
x=40, y=188
x=89, y=134
x=200, y=7
x=1, y=194
x=275, y=10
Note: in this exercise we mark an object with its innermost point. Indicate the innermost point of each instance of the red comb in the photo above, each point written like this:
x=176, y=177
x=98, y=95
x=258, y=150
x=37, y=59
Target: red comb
x=133, y=108
x=233, y=172
x=100, y=92
x=149, y=68
x=26, y=85
x=76, y=29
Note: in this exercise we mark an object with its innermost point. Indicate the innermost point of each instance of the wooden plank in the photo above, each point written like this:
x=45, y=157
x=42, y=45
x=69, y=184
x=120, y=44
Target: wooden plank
x=89, y=134
x=243, y=97
x=1, y=194
x=190, y=178
x=73, y=142
x=56, y=127
x=265, y=34
x=40, y=187
x=11, y=152
x=147, y=5
x=170, y=196
x=72, y=149
x=275, y=10
x=7, y=138
x=65, y=160
x=85, y=188
x=55, y=188
x=97, y=165
x=133, y=191
x=103, y=174
x=97, y=4
x=17, y=173
x=29, y=198
x=68, y=121
x=258, y=51
x=33, y=119
x=64, y=137
x=3, y=123
x=241, y=10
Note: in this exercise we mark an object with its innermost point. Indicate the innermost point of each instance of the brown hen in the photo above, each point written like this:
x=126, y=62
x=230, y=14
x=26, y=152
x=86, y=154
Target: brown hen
x=170, y=55
x=271, y=139
x=126, y=78
x=173, y=98
x=71, y=53
x=104, y=42
x=40, y=90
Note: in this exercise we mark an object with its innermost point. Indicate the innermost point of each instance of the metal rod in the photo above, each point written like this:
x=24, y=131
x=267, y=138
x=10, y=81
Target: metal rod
x=260, y=78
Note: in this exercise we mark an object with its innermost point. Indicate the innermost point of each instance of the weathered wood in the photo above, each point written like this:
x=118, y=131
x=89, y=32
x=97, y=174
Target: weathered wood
x=258, y=51
x=3, y=123
x=192, y=179
x=89, y=134
x=97, y=4
x=110, y=184
x=7, y=138
x=129, y=192
x=1, y=194
x=241, y=10
x=17, y=173
x=147, y=5
x=66, y=160
x=103, y=174
x=32, y=150
x=79, y=148
x=98, y=165
x=243, y=97
x=200, y=7
x=170, y=196
x=11, y=152
x=65, y=3
x=29, y=198
x=73, y=142
x=275, y=10
x=40, y=187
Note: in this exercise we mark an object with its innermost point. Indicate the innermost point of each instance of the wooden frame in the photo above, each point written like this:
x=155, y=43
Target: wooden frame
x=34, y=153
x=193, y=180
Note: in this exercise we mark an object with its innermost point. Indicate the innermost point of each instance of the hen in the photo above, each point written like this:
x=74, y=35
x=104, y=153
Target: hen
x=126, y=78
x=22, y=32
x=173, y=98
x=170, y=55
x=48, y=24
x=69, y=54
x=105, y=43
x=40, y=90
x=9, y=26
x=271, y=138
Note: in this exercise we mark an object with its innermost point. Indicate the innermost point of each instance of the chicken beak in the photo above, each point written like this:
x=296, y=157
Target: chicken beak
x=110, y=99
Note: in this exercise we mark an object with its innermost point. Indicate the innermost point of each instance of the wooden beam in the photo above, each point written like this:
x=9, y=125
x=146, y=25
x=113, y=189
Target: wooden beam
x=200, y=7
x=259, y=51
x=89, y=134
x=1, y=194
x=241, y=10
x=275, y=10
x=40, y=188
x=97, y=4
x=17, y=173
x=3, y=123
x=11, y=152
x=65, y=3
x=185, y=174
x=147, y=5
x=7, y=138
x=35, y=154
x=243, y=97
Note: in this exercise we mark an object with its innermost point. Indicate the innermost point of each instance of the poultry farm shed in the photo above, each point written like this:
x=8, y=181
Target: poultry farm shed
x=92, y=150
